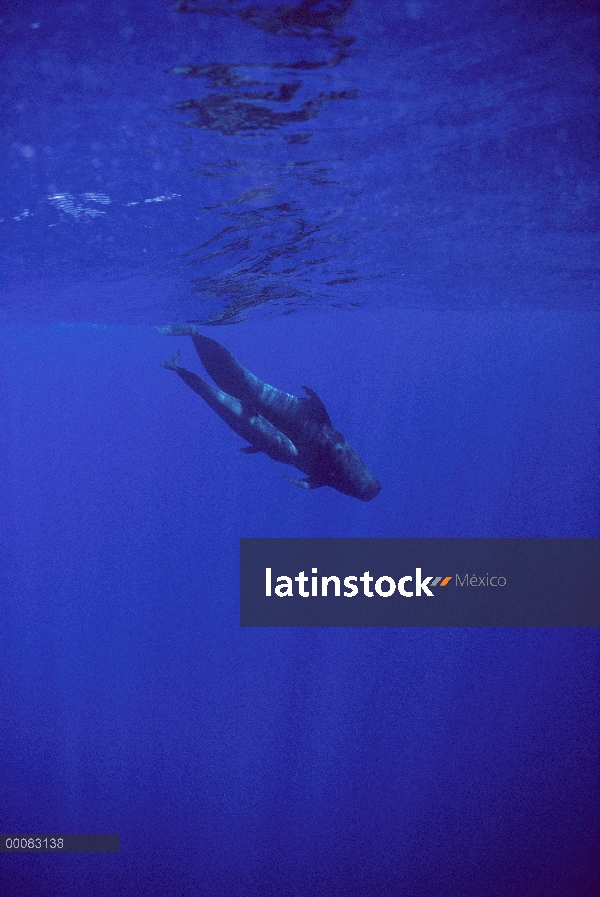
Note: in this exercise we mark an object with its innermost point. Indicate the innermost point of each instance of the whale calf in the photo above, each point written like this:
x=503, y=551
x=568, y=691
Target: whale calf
x=291, y=429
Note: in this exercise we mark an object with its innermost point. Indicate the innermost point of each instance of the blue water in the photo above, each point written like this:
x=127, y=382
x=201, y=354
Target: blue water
x=396, y=204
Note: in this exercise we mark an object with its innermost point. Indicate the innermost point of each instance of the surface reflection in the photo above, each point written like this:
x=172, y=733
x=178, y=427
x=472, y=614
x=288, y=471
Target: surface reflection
x=274, y=247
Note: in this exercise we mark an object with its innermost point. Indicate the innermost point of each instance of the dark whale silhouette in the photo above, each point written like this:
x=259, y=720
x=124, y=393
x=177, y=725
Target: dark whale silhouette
x=287, y=428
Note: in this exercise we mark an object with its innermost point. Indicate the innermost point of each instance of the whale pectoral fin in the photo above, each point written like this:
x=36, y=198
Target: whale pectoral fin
x=316, y=409
x=249, y=449
x=173, y=364
x=303, y=484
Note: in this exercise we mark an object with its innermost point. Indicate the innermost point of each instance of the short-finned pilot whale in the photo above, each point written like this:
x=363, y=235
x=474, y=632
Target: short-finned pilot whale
x=287, y=428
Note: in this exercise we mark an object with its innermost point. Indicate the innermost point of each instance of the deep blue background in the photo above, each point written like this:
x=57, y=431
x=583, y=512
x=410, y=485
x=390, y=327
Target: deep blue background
x=454, y=198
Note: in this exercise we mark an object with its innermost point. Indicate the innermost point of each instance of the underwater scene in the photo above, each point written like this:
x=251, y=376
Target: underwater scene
x=397, y=204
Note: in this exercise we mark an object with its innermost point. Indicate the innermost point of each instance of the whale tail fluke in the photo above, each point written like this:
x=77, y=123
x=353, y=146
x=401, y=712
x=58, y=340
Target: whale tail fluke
x=178, y=330
x=173, y=364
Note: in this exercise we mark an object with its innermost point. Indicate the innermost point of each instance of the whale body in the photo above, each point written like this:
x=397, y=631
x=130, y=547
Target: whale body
x=291, y=429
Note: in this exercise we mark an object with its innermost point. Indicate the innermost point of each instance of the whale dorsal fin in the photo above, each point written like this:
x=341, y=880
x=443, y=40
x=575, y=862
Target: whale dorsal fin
x=316, y=409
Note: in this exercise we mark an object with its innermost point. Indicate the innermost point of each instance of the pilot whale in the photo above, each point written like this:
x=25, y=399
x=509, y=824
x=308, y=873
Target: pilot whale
x=291, y=429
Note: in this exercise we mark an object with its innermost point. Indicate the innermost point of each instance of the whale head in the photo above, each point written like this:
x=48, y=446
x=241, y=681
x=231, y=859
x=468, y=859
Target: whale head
x=346, y=471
